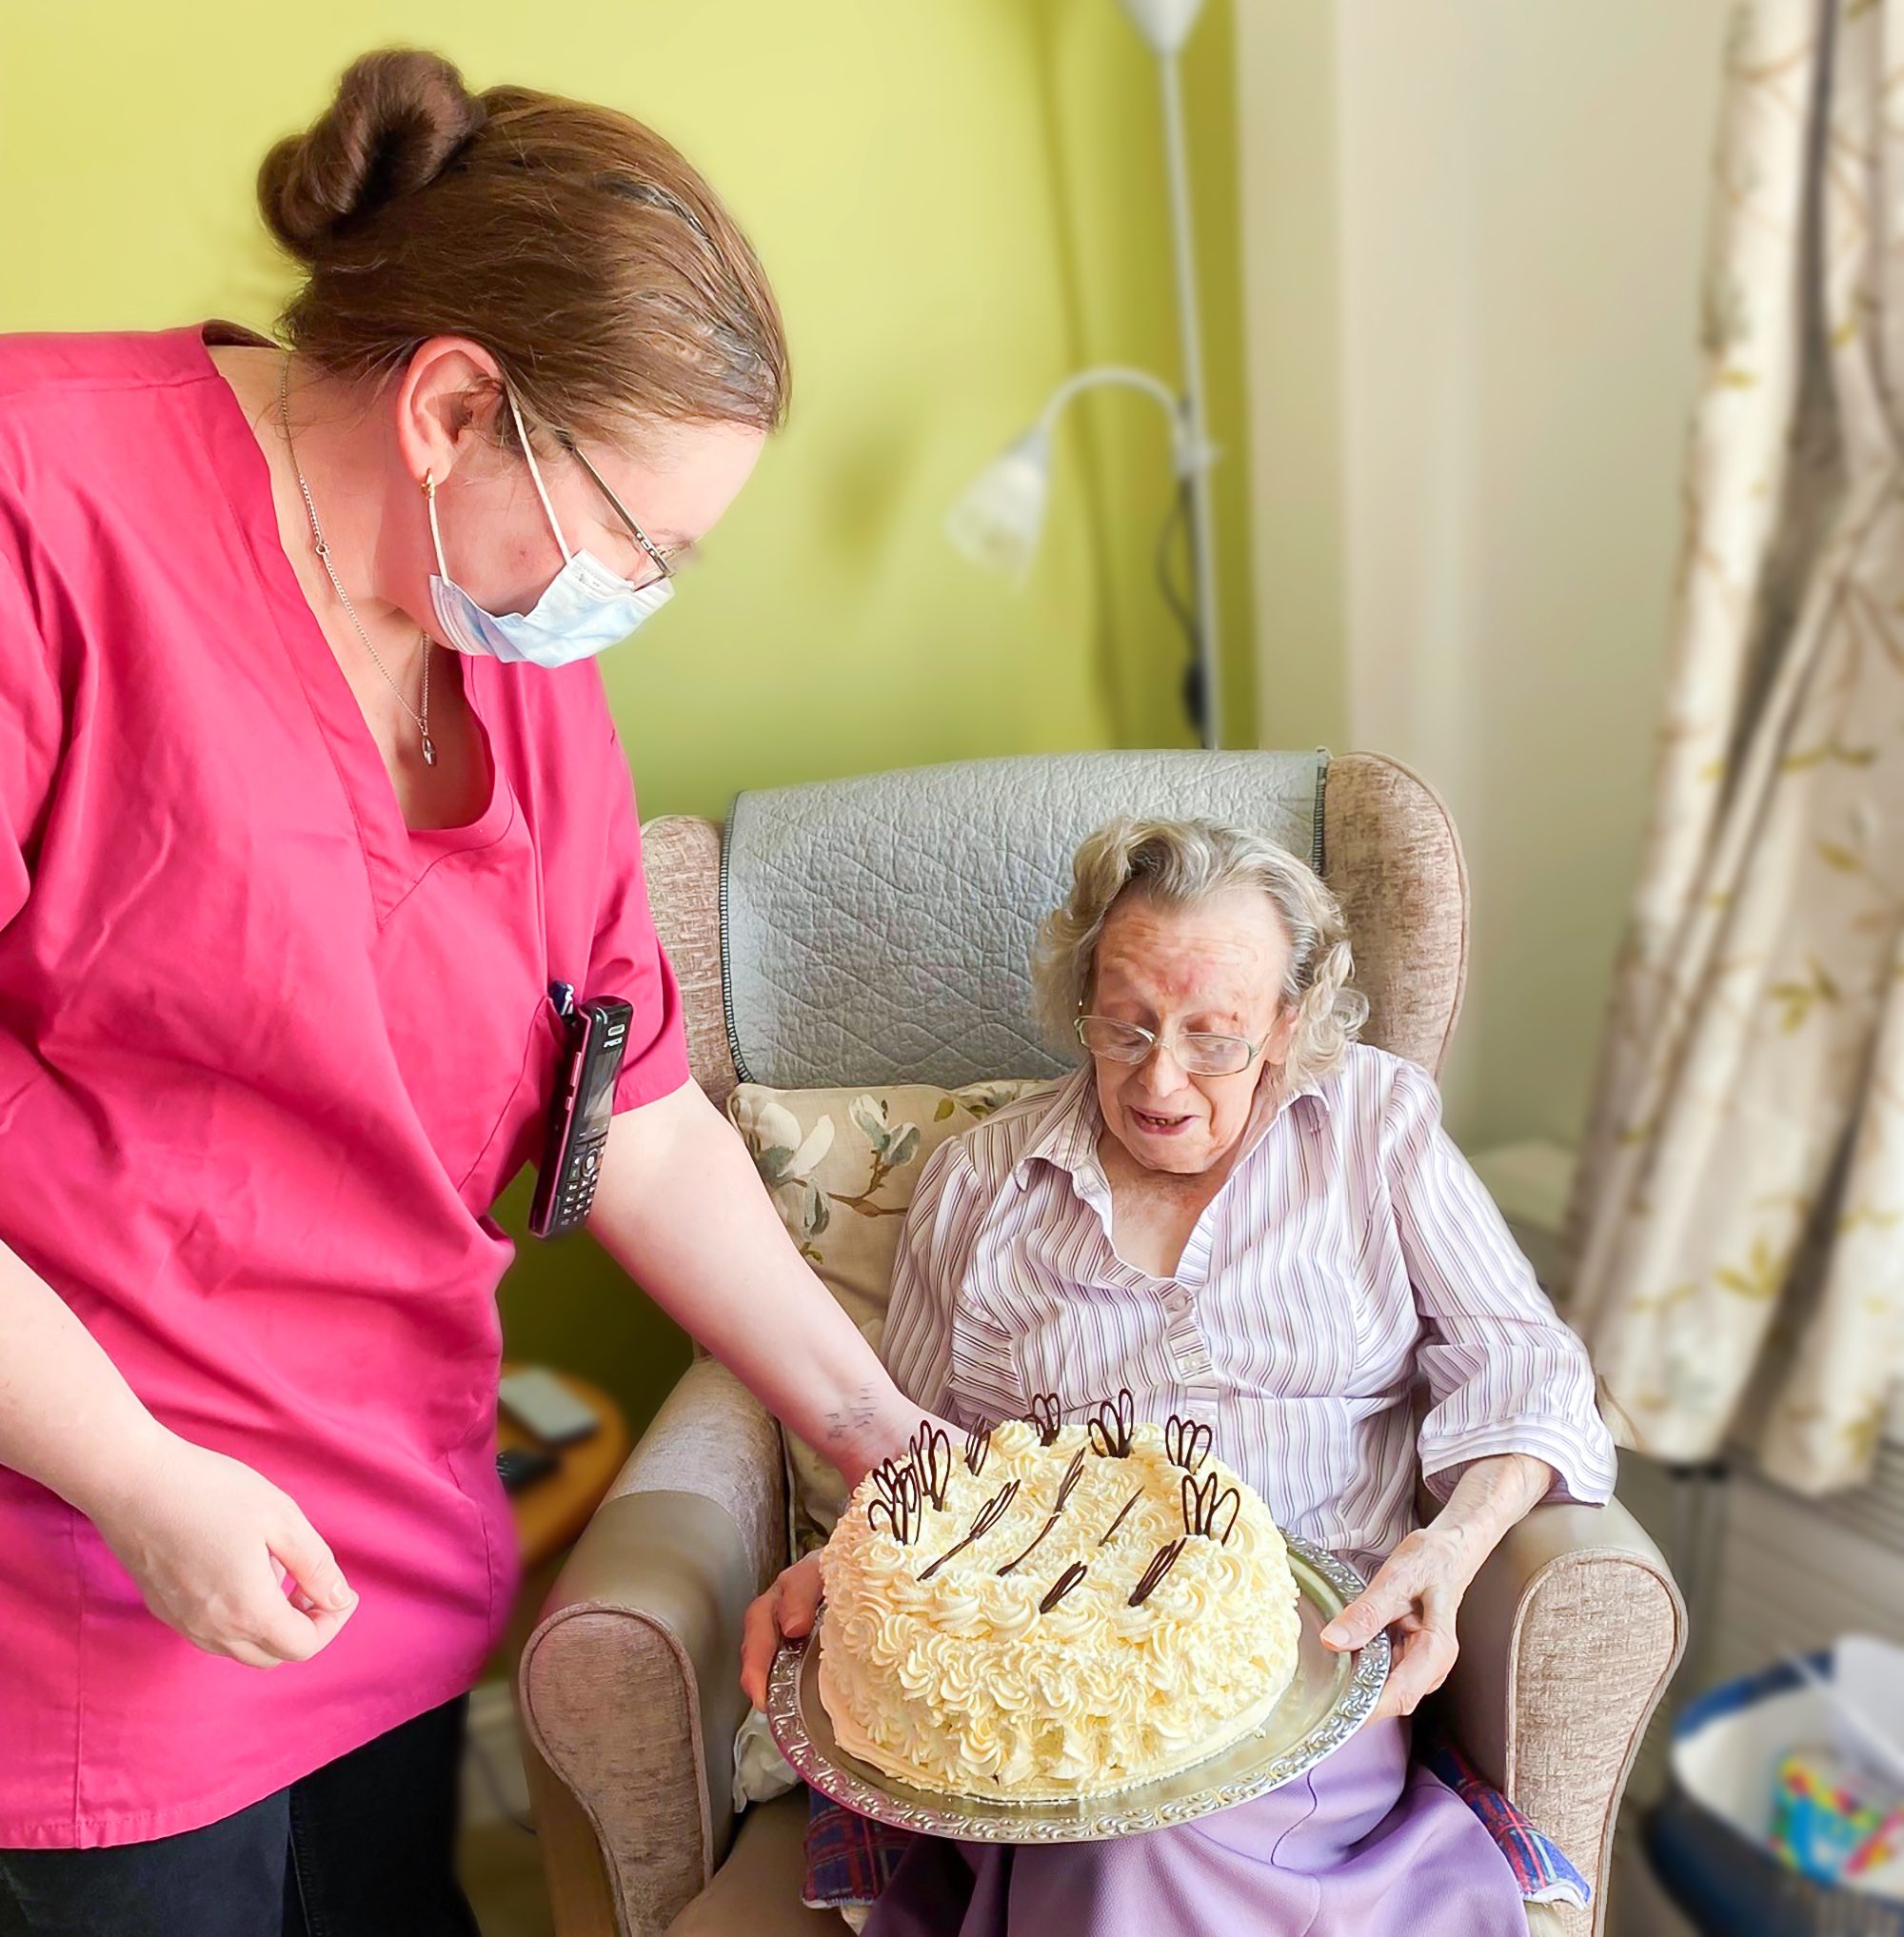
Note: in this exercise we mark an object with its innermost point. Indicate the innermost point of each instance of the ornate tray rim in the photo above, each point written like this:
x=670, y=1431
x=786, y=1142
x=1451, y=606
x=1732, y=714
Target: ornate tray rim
x=1328, y=1583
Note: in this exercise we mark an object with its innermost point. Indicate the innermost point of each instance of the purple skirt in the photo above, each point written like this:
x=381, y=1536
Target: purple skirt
x=1361, y=1847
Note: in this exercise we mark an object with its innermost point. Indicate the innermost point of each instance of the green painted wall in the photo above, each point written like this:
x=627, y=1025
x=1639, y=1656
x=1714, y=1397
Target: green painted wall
x=959, y=201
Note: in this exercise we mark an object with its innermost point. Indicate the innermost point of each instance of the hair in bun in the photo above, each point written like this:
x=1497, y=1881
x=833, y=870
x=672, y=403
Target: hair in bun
x=585, y=253
x=398, y=119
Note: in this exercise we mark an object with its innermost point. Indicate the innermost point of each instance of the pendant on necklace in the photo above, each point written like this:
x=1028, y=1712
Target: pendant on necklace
x=428, y=751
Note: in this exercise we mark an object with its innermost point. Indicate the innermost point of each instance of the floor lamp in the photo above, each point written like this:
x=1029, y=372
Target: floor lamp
x=999, y=519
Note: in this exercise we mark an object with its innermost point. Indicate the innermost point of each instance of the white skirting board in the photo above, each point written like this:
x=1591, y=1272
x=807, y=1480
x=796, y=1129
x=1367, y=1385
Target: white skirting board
x=1797, y=1574
x=502, y=1791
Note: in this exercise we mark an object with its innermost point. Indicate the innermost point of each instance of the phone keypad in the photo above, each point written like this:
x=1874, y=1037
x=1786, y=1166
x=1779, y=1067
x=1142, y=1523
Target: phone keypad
x=578, y=1185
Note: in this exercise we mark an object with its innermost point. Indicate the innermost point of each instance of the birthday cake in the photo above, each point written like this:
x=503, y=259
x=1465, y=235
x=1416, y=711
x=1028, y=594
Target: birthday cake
x=1059, y=1610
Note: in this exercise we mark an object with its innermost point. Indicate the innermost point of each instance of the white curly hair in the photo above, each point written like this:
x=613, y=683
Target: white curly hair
x=1179, y=863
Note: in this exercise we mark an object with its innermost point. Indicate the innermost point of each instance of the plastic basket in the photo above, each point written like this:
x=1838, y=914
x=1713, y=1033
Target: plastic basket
x=1720, y=1875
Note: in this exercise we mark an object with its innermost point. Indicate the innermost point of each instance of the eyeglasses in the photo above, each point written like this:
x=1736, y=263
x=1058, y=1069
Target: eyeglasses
x=662, y=560
x=1197, y=1053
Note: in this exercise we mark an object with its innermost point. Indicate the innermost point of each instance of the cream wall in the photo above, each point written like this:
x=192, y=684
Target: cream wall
x=1474, y=231
x=1293, y=322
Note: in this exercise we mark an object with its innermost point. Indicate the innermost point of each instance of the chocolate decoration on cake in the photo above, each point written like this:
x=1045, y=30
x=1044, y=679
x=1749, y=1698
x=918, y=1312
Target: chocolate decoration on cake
x=1047, y=1415
x=977, y=1445
x=890, y=1475
x=988, y=1517
x=902, y=1507
x=1187, y=1442
x=1123, y=1512
x=1160, y=1564
x=1066, y=1487
x=932, y=1459
x=1062, y=1586
x=1203, y=1506
x=1113, y=1424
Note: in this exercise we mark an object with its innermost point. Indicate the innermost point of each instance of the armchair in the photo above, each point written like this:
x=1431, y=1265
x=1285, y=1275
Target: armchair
x=627, y=1690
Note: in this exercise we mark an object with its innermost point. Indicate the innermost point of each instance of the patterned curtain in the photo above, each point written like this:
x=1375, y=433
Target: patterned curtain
x=1738, y=1226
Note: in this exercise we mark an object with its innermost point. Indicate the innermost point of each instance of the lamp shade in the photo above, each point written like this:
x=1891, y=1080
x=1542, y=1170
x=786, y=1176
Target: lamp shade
x=1165, y=24
x=1000, y=517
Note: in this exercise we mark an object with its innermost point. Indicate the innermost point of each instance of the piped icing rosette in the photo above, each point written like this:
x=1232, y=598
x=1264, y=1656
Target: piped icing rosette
x=983, y=1636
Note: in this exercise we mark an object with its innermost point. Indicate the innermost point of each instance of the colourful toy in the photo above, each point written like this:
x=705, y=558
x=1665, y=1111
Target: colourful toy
x=1834, y=1822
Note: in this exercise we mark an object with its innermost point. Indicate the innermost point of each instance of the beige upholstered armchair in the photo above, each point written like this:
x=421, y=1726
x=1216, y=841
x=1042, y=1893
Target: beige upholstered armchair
x=628, y=1690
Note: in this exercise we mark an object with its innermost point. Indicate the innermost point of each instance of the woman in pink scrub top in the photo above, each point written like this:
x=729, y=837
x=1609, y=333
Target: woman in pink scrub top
x=294, y=838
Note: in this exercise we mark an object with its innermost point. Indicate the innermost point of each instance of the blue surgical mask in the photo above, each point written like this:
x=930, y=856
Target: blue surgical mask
x=585, y=609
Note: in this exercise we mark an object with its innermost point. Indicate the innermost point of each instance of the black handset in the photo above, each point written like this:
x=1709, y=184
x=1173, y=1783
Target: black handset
x=520, y=1466
x=579, y=1116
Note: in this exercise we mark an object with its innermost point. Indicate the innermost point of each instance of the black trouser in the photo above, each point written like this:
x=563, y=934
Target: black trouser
x=364, y=1846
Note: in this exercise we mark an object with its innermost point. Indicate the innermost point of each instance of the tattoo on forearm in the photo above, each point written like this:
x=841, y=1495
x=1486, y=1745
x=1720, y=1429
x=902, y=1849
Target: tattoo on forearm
x=844, y=1423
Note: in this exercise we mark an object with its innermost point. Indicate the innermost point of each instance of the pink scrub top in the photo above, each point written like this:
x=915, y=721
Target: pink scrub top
x=267, y=1058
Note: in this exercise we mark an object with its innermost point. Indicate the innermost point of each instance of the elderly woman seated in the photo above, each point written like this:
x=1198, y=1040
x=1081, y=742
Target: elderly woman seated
x=1246, y=1217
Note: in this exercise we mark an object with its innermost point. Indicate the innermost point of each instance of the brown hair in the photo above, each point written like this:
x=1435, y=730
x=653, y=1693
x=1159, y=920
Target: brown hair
x=576, y=245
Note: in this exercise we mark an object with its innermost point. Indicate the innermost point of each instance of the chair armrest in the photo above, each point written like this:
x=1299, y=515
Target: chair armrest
x=1569, y=1637
x=629, y=1688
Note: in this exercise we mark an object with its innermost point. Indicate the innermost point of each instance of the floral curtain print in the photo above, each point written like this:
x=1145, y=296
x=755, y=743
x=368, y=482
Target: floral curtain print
x=1739, y=1221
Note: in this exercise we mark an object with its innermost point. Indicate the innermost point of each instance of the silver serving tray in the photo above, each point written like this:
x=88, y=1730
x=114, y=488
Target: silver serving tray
x=1331, y=1696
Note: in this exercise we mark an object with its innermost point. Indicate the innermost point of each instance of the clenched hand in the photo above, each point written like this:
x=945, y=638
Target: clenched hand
x=224, y=1559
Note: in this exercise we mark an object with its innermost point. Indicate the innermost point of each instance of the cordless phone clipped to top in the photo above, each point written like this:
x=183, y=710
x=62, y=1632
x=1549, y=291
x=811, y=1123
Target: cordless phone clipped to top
x=580, y=1111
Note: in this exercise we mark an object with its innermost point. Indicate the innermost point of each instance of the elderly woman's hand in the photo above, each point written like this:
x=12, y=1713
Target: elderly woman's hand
x=1416, y=1592
x=786, y=1609
x=1418, y=1589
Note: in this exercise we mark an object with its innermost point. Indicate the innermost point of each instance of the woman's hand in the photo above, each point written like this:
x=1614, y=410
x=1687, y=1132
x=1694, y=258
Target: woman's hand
x=786, y=1609
x=1418, y=1589
x=213, y=1545
x=1416, y=1592
x=208, y=1542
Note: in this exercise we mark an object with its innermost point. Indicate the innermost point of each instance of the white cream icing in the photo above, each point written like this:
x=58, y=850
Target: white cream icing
x=961, y=1684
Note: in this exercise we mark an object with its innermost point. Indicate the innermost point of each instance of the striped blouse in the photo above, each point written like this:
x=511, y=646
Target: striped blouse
x=1351, y=1253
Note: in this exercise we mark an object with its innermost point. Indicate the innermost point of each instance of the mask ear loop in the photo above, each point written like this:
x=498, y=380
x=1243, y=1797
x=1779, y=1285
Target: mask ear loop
x=435, y=535
x=535, y=475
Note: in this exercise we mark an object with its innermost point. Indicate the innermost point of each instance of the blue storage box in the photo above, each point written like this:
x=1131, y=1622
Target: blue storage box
x=1707, y=1839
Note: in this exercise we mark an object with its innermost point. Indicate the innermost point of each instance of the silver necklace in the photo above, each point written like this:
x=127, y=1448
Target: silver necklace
x=323, y=551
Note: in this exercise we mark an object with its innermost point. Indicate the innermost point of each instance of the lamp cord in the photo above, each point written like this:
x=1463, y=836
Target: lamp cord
x=1179, y=602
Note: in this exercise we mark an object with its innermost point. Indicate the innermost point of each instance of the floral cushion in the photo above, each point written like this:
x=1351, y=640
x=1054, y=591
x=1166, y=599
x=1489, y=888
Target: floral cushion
x=841, y=1166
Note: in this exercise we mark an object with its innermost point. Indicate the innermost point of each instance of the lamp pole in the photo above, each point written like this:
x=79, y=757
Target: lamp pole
x=1166, y=25
x=1203, y=517
x=995, y=522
